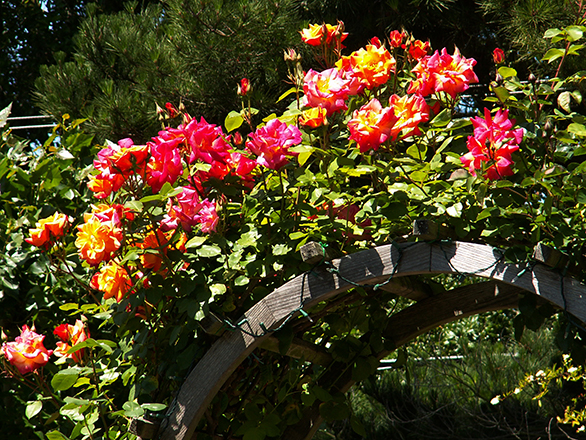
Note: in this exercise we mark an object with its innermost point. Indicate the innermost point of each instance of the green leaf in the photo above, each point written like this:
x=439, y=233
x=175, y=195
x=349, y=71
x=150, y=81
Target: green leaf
x=154, y=406
x=281, y=249
x=564, y=101
x=577, y=129
x=574, y=33
x=195, y=242
x=55, y=435
x=507, y=72
x=64, y=379
x=442, y=119
x=208, y=251
x=132, y=409
x=218, y=289
x=550, y=33
x=287, y=93
x=233, y=121
x=33, y=408
x=256, y=433
x=553, y=54
x=241, y=281
x=357, y=426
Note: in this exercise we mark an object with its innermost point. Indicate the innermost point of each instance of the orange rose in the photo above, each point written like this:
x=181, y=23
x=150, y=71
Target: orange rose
x=410, y=110
x=97, y=240
x=70, y=335
x=112, y=280
x=371, y=65
x=371, y=125
x=27, y=353
x=314, y=117
x=157, y=242
x=48, y=230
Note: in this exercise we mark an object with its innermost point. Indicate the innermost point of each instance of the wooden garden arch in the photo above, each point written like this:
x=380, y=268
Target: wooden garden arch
x=384, y=265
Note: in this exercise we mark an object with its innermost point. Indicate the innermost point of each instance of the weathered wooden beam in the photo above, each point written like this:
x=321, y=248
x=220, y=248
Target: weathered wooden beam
x=549, y=256
x=408, y=287
x=368, y=267
x=212, y=325
x=299, y=349
x=314, y=252
x=406, y=325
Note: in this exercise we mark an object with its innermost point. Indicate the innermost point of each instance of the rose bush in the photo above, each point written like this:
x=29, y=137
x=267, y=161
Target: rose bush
x=200, y=221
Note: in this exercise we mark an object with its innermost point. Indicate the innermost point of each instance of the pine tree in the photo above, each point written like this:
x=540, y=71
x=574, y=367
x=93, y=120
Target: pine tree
x=192, y=52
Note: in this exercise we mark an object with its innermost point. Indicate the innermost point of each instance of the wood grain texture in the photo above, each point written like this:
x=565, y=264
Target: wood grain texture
x=369, y=267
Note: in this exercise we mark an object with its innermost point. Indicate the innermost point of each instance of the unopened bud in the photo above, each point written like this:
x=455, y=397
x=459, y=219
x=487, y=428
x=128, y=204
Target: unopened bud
x=532, y=78
x=291, y=55
x=244, y=87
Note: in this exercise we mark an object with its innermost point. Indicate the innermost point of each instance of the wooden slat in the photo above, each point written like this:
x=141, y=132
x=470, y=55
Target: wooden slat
x=371, y=266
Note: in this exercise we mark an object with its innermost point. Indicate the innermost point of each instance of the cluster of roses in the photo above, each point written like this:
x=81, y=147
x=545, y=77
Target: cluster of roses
x=371, y=67
x=492, y=144
x=196, y=149
x=27, y=352
x=440, y=73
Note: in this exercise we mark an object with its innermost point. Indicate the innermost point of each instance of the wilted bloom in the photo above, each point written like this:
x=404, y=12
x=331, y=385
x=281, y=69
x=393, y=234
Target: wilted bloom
x=491, y=146
x=396, y=38
x=97, y=240
x=70, y=335
x=314, y=117
x=409, y=111
x=48, y=230
x=112, y=280
x=371, y=65
x=327, y=89
x=443, y=73
x=27, y=353
x=498, y=56
x=271, y=143
x=418, y=49
x=244, y=87
x=371, y=125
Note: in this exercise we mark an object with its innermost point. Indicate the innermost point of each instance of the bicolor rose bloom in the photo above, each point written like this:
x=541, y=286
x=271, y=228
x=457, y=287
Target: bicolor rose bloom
x=318, y=34
x=328, y=90
x=498, y=56
x=113, y=281
x=155, y=243
x=418, y=49
x=409, y=111
x=314, y=117
x=396, y=38
x=115, y=164
x=499, y=127
x=69, y=336
x=115, y=213
x=97, y=240
x=271, y=143
x=371, y=125
x=165, y=163
x=244, y=87
x=207, y=216
x=48, y=230
x=447, y=73
x=371, y=65
x=27, y=353
x=491, y=147
x=189, y=211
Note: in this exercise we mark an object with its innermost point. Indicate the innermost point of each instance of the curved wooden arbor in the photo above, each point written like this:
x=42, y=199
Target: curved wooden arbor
x=383, y=265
